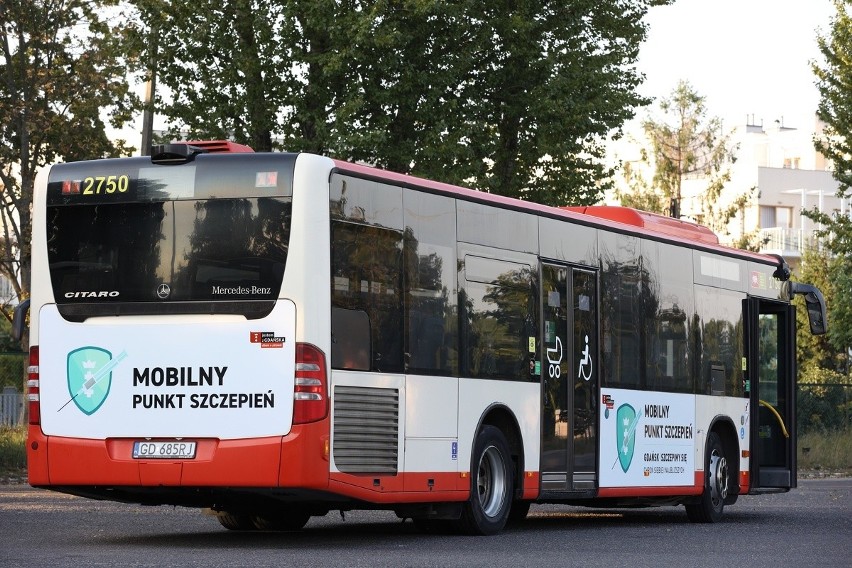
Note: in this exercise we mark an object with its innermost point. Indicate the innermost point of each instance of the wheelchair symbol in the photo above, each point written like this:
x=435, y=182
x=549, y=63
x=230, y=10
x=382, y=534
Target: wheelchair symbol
x=585, y=366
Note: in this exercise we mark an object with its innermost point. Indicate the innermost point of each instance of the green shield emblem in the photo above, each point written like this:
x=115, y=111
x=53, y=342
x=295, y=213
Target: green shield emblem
x=625, y=434
x=89, y=377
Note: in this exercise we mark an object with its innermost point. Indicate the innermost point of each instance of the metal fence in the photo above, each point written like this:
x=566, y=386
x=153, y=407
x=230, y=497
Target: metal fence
x=824, y=407
x=12, y=367
x=11, y=407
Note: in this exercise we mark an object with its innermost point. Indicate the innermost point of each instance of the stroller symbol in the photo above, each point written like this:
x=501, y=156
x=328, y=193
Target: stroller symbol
x=554, y=358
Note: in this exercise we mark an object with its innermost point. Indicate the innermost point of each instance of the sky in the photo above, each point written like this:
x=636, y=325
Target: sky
x=749, y=58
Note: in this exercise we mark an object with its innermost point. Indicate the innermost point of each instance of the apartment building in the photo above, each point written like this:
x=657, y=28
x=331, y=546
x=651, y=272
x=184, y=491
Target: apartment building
x=782, y=174
x=790, y=177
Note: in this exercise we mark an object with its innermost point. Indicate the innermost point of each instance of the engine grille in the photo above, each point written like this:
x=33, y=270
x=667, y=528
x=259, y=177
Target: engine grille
x=366, y=427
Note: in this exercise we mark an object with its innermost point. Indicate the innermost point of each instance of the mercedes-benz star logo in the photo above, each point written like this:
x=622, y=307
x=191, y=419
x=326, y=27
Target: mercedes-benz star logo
x=163, y=291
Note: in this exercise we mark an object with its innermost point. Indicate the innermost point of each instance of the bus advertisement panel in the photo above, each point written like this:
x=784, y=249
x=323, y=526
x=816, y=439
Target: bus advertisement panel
x=168, y=379
x=647, y=439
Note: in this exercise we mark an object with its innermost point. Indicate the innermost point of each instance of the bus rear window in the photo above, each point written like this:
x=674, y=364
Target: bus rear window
x=208, y=256
x=127, y=236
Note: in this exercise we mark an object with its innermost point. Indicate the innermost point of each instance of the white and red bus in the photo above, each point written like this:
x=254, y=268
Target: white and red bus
x=276, y=335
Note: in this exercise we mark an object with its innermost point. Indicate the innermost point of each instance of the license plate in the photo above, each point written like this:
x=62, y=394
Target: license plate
x=164, y=450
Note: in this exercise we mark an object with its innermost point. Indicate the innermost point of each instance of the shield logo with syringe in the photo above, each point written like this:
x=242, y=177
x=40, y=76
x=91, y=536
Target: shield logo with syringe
x=89, y=372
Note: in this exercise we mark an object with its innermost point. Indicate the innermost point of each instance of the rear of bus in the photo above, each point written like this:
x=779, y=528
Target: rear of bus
x=168, y=354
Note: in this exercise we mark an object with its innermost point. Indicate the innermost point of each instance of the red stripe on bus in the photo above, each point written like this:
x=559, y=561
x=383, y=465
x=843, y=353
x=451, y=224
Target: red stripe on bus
x=745, y=482
x=251, y=462
x=237, y=463
x=648, y=491
x=532, y=485
x=403, y=487
x=37, y=468
x=666, y=491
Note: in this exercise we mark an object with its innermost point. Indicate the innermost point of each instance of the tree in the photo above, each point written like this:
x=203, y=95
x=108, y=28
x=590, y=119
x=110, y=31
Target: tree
x=684, y=142
x=819, y=268
x=511, y=99
x=834, y=82
x=59, y=69
x=642, y=194
x=219, y=63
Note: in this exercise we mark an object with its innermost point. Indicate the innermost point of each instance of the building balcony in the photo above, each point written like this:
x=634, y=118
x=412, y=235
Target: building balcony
x=789, y=243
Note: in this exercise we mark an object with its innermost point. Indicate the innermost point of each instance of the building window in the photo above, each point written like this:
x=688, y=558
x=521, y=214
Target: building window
x=776, y=217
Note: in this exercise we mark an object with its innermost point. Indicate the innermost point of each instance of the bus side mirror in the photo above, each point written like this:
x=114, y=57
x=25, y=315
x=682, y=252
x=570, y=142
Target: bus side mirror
x=815, y=304
x=19, y=319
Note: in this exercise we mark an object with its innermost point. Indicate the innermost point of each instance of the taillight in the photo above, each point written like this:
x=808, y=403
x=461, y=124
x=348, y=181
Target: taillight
x=33, y=387
x=310, y=394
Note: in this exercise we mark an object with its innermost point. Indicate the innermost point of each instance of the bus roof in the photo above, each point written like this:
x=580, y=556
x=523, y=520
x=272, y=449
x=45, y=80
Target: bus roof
x=615, y=218
x=651, y=221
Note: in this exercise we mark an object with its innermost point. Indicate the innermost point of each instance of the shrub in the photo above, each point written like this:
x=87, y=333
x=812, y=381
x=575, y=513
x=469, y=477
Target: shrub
x=13, y=453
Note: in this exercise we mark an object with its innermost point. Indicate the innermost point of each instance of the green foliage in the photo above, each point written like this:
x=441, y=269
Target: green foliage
x=512, y=99
x=824, y=402
x=834, y=81
x=61, y=65
x=642, y=194
x=840, y=314
x=826, y=273
x=6, y=342
x=12, y=369
x=13, y=453
x=225, y=76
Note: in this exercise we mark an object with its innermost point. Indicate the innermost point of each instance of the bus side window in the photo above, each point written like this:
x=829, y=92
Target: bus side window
x=367, y=276
x=430, y=314
x=350, y=339
x=497, y=318
x=425, y=341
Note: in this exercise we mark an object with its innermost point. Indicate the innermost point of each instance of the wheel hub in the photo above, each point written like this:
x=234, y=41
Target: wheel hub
x=718, y=477
x=491, y=481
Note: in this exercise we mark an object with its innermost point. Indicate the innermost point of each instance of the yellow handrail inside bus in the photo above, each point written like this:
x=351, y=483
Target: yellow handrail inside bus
x=778, y=416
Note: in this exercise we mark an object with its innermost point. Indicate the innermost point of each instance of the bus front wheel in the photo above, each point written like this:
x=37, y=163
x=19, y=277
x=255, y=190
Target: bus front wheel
x=711, y=504
x=491, y=481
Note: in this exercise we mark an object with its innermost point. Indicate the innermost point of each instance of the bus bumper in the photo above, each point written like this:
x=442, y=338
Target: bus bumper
x=298, y=459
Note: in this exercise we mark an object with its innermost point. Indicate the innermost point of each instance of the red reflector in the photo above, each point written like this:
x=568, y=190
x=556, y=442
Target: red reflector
x=33, y=396
x=71, y=187
x=310, y=393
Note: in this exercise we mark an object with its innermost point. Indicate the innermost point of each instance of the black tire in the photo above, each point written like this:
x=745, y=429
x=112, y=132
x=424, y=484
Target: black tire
x=711, y=505
x=491, y=483
x=235, y=521
x=434, y=526
x=293, y=520
x=519, y=511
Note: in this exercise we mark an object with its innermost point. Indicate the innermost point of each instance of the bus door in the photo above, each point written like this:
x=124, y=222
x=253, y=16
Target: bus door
x=569, y=360
x=770, y=378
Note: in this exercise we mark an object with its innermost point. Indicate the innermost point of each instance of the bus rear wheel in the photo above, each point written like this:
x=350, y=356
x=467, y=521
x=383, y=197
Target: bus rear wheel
x=235, y=521
x=710, y=507
x=282, y=521
x=487, y=510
